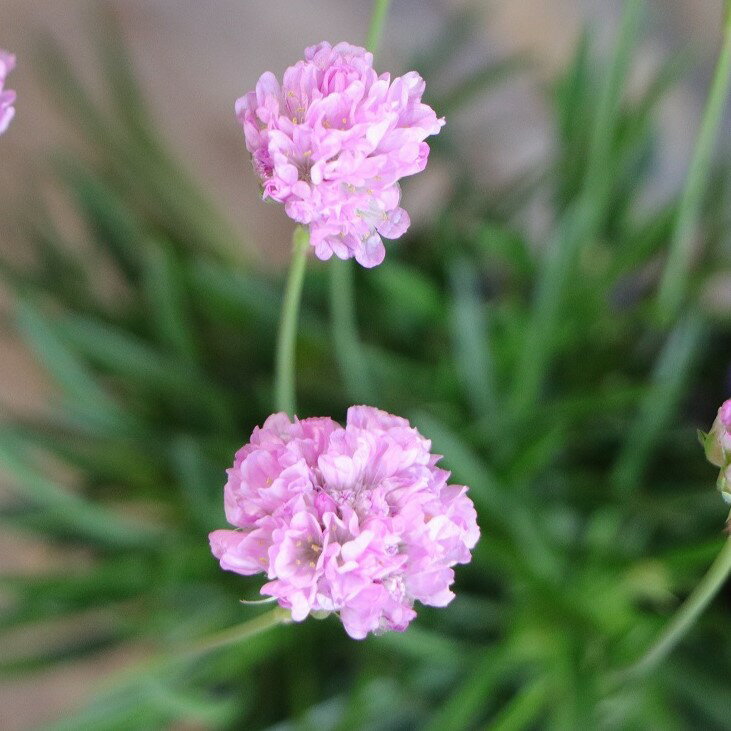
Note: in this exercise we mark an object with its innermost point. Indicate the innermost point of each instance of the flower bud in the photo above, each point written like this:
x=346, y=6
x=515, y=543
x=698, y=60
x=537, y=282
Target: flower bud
x=717, y=445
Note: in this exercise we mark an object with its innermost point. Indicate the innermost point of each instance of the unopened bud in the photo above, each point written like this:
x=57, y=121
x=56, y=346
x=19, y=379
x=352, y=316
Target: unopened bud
x=717, y=445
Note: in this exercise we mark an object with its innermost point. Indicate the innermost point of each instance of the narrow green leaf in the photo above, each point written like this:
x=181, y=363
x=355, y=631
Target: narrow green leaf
x=506, y=246
x=471, y=338
x=424, y=644
x=196, y=478
x=68, y=93
x=114, y=225
x=121, y=457
x=163, y=281
x=659, y=404
x=474, y=696
x=123, y=354
x=234, y=295
x=78, y=514
x=578, y=226
x=127, y=97
x=674, y=281
x=523, y=710
x=189, y=707
x=478, y=82
x=64, y=365
x=408, y=292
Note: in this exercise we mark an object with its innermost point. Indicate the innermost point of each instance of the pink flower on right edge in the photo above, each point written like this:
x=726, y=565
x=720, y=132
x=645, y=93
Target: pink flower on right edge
x=717, y=444
x=7, y=97
x=331, y=143
x=357, y=520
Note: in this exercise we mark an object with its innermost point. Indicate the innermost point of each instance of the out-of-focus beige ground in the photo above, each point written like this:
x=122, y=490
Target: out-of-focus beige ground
x=195, y=58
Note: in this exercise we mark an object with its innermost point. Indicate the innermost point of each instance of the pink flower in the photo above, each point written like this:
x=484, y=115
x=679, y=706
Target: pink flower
x=717, y=444
x=7, y=97
x=331, y=143
x=358, y=520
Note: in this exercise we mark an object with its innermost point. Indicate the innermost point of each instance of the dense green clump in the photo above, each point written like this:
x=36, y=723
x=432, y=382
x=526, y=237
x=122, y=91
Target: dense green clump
x=542, y=370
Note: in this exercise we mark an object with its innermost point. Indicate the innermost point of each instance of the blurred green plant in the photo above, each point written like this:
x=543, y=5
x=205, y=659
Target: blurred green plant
x=541, y=371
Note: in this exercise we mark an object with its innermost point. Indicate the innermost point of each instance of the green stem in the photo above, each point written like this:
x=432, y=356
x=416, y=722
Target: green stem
x=378, y=19
x=348, y=351
x=161, y=665
x=685, y=616
x=284, y=389
x=675, y=276
x=239, y=632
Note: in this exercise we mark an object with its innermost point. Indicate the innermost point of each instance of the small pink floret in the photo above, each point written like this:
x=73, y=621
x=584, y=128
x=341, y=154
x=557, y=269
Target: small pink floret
x=7, y=97
x=724, y=415
x=356, y=520
x=331, y=143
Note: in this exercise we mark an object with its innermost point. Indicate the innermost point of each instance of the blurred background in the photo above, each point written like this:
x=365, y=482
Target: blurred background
x=83, y=202
x=224, y=49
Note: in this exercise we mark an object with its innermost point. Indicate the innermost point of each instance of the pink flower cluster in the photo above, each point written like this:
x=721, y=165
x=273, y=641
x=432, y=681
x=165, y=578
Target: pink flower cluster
x=355, y=520
x=7, y=97
x=331, y=143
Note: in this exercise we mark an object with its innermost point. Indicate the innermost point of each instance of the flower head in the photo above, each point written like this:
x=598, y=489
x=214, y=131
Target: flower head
x=356, y=520
x=331, y=143
x=7, y=97
x=717, y=444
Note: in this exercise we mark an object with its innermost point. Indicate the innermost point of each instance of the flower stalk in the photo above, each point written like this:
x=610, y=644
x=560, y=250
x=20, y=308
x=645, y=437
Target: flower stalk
x=717, y=446
x=161, y=665
x=237, y=633
x=284, y=379
x=378, y=20
x=348, y=351
x=349, y=354
x=686, y=616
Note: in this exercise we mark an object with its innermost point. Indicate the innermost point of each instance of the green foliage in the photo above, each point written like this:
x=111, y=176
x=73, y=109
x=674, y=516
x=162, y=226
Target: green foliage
x=540, y=372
